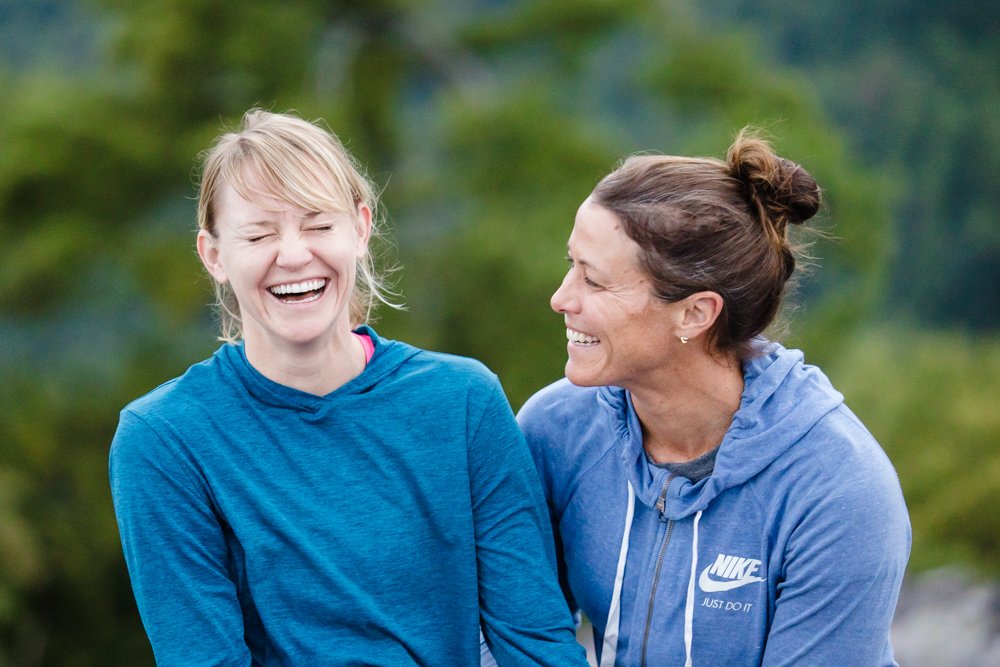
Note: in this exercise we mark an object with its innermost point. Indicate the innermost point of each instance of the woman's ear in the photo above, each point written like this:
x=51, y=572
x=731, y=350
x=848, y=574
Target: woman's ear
x=364, y=228
x=700, y=312
x=208, y=251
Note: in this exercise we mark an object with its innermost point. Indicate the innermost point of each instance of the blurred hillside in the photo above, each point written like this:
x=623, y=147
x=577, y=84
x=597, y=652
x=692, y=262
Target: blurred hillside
x=487, y=123
x=915, y=87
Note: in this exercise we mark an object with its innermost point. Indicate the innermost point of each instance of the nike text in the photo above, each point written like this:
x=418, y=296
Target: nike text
x=714, y=603
x=729, y=572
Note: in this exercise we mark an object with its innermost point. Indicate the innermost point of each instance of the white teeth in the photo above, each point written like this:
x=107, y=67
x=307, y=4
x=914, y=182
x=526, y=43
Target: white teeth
x=297, y=288
x=578, y=337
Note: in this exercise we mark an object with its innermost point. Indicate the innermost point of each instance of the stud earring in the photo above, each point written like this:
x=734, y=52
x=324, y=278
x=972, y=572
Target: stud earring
x=683, y=339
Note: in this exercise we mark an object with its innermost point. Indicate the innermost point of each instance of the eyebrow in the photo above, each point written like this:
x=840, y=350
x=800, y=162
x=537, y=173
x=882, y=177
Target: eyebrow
x=255, y=223
x=267, y=222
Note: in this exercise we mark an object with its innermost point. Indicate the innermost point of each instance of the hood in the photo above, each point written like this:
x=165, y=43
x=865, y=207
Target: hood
x=387, y=357
x=782, y=400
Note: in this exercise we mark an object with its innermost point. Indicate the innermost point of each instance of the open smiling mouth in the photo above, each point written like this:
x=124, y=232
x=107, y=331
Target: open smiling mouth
x=581, y=338
x=307, y=290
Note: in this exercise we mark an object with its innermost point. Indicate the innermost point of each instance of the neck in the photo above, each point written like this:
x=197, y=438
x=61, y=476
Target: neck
x=316, y=369
x=690, y=409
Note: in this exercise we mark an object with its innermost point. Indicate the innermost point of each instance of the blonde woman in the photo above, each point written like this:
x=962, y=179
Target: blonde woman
x=314, y=493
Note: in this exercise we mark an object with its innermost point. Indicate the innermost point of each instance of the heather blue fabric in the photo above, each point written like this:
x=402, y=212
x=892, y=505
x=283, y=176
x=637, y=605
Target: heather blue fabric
x=377, y=525
x=801, y=544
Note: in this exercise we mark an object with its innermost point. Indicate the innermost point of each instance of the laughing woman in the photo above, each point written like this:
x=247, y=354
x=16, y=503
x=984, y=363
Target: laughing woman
x=315, y=494
x=715, y=501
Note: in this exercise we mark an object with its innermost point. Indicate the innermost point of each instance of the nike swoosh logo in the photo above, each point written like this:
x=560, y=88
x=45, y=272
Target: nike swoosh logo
x=710, y=585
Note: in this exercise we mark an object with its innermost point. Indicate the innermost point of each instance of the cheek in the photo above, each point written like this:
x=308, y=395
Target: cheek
x=243, y=267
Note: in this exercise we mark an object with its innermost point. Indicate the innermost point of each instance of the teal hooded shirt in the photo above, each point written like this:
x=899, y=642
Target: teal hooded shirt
x=381, y=524
x=791, y=552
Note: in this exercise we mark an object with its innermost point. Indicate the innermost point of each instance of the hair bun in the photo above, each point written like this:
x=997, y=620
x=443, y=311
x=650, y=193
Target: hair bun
x=781, y=190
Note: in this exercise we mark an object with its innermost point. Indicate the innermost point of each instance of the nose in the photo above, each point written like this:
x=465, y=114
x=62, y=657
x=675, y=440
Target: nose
x=293, y=251
x=563, y=300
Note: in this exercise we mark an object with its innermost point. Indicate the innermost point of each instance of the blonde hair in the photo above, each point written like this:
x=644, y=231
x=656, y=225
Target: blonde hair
x=281, y=156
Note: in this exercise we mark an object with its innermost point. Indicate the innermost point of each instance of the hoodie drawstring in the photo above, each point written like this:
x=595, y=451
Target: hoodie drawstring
x=609, y=649
x=689, y=603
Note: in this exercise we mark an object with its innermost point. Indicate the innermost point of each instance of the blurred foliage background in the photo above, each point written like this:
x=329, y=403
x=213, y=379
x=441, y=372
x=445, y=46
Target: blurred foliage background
x=486, y=122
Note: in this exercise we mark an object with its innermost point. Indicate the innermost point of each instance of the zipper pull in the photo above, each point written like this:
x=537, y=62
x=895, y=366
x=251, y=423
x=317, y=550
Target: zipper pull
x=661, y=502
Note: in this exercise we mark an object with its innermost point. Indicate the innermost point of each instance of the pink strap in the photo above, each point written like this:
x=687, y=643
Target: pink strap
x=366, y=342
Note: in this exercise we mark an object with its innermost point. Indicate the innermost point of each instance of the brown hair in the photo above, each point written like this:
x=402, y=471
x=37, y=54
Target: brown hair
x=283, y=157
x=722, y=226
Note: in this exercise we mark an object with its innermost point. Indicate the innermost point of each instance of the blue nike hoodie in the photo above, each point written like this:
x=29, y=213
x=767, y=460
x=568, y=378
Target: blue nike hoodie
x=791, y=553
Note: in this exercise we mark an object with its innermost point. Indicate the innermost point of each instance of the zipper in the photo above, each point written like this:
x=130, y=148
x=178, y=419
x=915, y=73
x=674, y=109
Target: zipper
x=661, y=506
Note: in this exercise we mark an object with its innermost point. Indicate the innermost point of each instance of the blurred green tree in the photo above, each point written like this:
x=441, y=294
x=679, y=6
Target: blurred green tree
x=915, y=86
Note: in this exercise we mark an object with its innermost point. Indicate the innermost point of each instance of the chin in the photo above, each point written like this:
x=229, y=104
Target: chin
x=582, y=378
x=301, y=337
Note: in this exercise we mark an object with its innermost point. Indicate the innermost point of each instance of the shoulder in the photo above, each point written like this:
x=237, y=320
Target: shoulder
x=173, y=395
x=172, y=411
x=844, y=452
x=819, y=464
x=409, y=365
x=571, y=427
x=562, y=414
x=146, y=430
x=562, y=401
x=819, y=445
x=452, y=366
x=837, y=483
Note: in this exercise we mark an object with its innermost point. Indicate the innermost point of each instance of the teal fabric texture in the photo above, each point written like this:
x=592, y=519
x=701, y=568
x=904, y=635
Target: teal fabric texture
x=381, y=524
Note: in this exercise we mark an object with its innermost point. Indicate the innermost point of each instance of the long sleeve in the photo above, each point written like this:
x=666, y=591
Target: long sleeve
x=542, y=455
x=842, y=571
x=176, y=553
x=524, y=616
